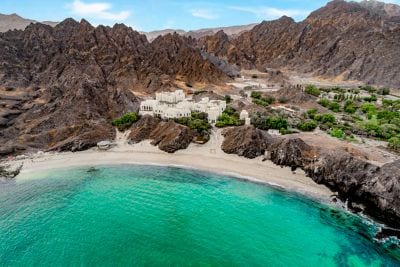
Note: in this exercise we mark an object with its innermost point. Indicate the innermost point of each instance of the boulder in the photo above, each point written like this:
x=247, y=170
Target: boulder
x=245, y=141
x=170, y=136
x=142, y=129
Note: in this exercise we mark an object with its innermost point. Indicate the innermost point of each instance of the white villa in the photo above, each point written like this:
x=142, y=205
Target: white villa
x=172, y=105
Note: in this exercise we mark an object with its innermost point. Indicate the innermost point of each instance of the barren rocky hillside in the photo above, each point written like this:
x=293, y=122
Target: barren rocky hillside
x=349, y=40
x=61, y=87
x=15, y=22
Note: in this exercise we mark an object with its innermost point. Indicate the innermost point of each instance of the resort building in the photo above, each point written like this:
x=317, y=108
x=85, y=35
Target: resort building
x=172, y=105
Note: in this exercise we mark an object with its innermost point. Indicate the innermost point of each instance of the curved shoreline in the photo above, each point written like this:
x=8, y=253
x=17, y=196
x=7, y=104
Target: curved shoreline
x=195, y=157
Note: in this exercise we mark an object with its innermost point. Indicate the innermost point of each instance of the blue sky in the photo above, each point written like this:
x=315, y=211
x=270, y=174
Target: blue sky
x=160, y=14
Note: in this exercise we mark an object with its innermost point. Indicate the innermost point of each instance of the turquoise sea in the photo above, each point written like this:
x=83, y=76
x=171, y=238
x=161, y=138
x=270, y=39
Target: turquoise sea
x=163, y=216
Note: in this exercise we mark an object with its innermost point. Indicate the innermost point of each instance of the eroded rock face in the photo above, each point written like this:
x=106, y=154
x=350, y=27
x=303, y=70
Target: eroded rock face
x=293, y=152
x=356, y=41
x=364, y=185
x=77, y=78
x=170, y=136
x=356, y=180
x=245, y=141
x=143, y=128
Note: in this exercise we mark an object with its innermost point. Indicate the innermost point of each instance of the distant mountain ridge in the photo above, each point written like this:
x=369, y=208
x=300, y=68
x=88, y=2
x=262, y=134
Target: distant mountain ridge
x=16, y=22
x=232, y=31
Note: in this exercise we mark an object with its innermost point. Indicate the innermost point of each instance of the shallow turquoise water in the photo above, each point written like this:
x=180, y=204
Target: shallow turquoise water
x=160, y=216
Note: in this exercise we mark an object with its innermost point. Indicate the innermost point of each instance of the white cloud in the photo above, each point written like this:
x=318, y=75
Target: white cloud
x=97, y=10
x=203, y=13
x=272, y=12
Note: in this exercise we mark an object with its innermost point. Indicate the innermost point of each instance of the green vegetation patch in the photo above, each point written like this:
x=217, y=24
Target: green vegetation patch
x=312, y=90
x=125, y=121
x=230, y=117
x=307, y=126
x=265, y=122
x=198, y=121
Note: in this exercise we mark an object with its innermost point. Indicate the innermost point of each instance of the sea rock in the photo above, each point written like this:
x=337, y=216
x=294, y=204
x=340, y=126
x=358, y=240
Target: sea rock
x=245, y=141
x=366, y=187
x=170, y=136
x=7, y=172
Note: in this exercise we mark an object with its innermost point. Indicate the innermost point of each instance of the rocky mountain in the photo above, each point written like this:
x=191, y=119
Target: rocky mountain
x=232, y=31
x=15, y=22
x=364, y=186
x=348, y=40
x=61, y=87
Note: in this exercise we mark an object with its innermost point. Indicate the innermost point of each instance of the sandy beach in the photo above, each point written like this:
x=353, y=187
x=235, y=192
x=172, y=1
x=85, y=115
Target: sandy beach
x=208, y=157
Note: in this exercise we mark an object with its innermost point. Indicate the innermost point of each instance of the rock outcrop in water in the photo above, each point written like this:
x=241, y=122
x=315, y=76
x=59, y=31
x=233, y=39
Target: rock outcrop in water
x=376, y=189
x=6, y=172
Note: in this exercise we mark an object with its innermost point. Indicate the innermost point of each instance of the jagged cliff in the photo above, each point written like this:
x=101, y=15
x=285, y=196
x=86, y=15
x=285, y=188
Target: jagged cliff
x=376, y=189
x=348, y=40
x=61, y=87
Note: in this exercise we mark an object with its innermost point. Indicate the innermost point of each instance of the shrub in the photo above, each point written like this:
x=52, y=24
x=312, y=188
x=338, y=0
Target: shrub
x=283, y=100
x=256, y=94
x=311, y=113
x=265, y=122
x=231, y=111
x=260, y=102
x=307, y=126
x=228, y=99
x=368, y=88
x=368, y=108
x=350, y=107
x=394, y=143
x=371, y=98
x=387, y=115
x=125, y=121
x=336, y=132
x=334, y=106
x=324, y=102
x=269, y=99
x=226, y=120
x=312, y=90
x=230, y=117
x=383, y=91
x=284, y=131
x=325, y=118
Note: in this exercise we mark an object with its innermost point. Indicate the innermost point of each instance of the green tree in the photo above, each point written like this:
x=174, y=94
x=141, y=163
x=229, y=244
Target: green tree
x=312, y=90
x=307, y=126
x=125, y=121
x=256, y=94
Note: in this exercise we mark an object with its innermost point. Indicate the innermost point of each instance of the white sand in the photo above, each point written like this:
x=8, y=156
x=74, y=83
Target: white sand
x=207, y=157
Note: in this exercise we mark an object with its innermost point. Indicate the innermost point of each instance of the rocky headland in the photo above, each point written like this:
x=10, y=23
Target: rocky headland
x=366, y=187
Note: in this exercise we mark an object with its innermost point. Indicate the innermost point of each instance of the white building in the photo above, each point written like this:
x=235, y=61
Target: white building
x=244, y=115
x=171, y=105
